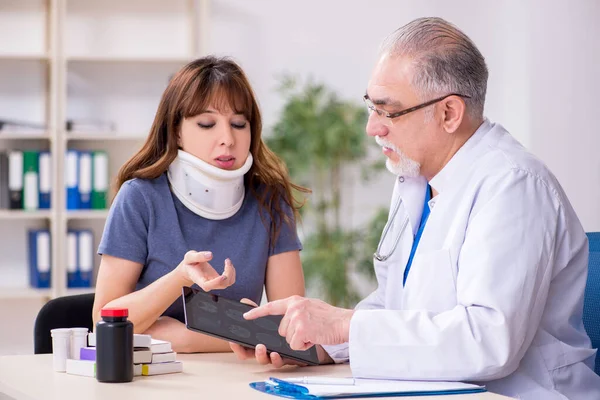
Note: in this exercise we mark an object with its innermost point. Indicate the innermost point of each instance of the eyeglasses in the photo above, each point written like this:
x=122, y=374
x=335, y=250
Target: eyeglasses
x=386, y=118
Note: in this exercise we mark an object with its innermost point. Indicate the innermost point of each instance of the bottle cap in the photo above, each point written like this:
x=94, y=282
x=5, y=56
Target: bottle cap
x=114, y=312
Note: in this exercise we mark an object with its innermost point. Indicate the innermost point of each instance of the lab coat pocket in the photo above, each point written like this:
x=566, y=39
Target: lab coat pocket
x=430, y=284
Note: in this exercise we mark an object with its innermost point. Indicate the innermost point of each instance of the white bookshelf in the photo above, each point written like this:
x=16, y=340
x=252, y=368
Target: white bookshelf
x=104, y=60
x=24, y=29
x=127, y=60
x=114, y=136
x=25, y=135
x=24, y=293
x=86, y=215
x=19, y=215
x=24, y=57
x=28, y=92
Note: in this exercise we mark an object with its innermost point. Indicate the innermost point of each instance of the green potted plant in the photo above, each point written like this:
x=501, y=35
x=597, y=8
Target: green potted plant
x=319, y=135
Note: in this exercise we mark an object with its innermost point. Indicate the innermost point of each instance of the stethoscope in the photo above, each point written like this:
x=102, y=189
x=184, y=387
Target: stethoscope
x=377, y=255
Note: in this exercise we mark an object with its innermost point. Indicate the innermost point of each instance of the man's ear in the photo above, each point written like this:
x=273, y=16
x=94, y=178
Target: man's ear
x=454, y=110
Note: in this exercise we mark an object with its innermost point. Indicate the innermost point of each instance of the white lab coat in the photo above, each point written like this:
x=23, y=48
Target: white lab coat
x=495, y=291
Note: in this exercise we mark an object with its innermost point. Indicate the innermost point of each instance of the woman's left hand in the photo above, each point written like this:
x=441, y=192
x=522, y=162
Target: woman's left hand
x=195, y=268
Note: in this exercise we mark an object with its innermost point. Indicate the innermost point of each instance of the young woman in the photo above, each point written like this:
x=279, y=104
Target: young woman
x=203, y=193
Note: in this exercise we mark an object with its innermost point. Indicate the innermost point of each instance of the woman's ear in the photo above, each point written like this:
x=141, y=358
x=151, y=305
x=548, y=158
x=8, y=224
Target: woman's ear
x=179, y=143
x=178, y=129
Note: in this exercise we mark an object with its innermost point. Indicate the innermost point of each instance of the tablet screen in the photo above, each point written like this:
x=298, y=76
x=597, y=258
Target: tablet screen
x=223, y=318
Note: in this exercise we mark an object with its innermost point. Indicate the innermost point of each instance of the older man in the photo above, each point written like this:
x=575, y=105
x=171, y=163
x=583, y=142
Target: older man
x=482, y=266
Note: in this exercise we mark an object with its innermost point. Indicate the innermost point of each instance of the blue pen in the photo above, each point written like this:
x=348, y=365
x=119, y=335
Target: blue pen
x=322, y=380
x=288, y=387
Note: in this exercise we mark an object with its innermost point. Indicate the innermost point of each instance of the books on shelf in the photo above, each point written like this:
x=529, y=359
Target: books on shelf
x=40, y=260
x=99, y=180
x=24, y=127
x=91, y=126
x=26, y=179
x=80, y=258
x=86, y=180
x=31, y=175
x=4, y=179
x=15, y=179
x=45, y=180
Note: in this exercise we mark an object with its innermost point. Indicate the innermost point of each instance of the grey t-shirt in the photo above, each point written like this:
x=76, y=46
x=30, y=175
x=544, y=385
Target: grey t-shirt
x=149, y=225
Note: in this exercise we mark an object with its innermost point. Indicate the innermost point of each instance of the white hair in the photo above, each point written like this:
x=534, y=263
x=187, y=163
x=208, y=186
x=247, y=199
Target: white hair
x=445, y=61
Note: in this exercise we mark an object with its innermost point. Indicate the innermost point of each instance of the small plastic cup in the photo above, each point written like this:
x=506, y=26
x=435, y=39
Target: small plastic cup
x=78, y=340
x=61, y=347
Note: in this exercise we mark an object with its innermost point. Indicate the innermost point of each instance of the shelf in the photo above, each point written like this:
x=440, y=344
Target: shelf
x=23, y=136
x=76, y=291
x=83, y=61
x=104, y=136
x=24, y=215
x=23, y=293
x=87, y=214
x=23, y=57
x=132, y=60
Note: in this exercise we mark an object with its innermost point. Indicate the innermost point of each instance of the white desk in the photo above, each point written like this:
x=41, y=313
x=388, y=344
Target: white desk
x=205, y=376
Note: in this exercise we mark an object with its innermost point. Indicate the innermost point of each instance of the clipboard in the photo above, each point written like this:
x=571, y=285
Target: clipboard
x=363, y=388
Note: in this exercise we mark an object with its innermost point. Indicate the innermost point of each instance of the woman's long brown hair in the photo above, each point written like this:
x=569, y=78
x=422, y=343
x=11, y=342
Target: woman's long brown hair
x=219, y=83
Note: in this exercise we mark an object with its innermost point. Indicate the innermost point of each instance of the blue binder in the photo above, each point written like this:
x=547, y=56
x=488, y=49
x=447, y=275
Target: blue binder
x=40, y=258
x=85, y=180
x=45, y=179
x=282, y=388
x=80, y=258
x=85, y=257
x=72, y=266
x=72, y=179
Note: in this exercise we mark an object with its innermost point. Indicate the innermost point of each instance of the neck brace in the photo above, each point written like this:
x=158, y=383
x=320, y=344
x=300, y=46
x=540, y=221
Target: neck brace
x=206, y=190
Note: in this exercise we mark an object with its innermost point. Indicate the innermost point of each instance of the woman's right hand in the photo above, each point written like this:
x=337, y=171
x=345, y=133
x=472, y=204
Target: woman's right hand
x=195, y=269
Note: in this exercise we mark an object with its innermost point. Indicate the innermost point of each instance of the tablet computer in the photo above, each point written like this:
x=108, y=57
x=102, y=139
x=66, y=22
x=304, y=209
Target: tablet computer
x=223, y=318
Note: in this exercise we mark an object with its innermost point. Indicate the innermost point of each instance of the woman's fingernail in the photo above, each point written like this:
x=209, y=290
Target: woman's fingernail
x=207, y=254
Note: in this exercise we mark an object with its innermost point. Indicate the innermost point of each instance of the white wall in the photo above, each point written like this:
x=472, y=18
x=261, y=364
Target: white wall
x=565, y=104
x=542, y=58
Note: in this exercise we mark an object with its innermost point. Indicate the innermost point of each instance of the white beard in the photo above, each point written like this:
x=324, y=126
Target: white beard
x=404, y=166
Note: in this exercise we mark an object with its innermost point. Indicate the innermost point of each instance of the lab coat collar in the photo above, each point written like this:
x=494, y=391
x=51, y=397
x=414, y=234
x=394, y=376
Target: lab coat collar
x=463, y=158
x=412, y=192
